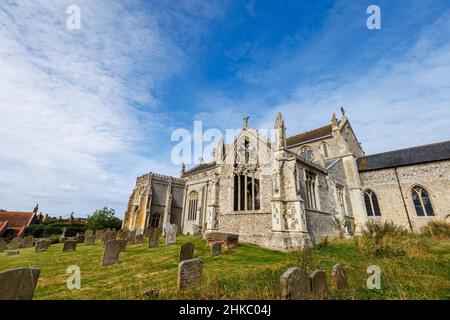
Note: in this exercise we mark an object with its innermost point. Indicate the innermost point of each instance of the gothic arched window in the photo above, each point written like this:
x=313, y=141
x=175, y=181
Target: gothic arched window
x=192, y=209
x=307, y=153
x=325, y=149
x=154, y=222
x=422, y=202
x=371, y=201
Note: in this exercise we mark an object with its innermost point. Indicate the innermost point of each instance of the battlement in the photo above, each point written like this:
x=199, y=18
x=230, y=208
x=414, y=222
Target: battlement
x=158, y=177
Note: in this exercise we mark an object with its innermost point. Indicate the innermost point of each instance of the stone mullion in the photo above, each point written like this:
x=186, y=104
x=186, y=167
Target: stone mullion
x=245, y=193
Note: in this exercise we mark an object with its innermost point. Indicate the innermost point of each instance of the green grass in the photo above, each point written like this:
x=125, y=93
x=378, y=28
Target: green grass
x=422, y=271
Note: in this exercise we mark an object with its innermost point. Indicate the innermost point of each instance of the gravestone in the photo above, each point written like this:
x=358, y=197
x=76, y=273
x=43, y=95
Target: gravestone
x=2, y=245
x=28, y=242
x=123, y=234
x=18, y=284
x=171, y=235
x=189, y=273
x=216, y=249
x=99, y=235
x=339, y=277
x=90, y=240
x=295, y=284
x=42, y=245
x=319, y=286
x=70, y=245
x=140, y=238
x=62, y=239
x=186, y=252
x=111, y=252
x=80, y=238
x=153, y=238
x=123, y=245
x=15, y=243
x=175, y=227
x=64, y=232
x=132, y=237
x=109, y=235
x=89, y=233
x=13, y=253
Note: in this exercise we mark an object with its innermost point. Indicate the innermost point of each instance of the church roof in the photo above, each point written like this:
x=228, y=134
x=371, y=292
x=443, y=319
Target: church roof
x=311, y=135
x=199, y=168
x=404, y=157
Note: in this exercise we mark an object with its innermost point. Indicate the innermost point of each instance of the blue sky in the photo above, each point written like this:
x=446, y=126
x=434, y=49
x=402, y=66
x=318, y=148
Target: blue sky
x=84, y=112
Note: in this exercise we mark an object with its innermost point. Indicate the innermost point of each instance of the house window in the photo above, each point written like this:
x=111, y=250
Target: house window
x=192, y=209
x=371, y=201
x=422, y=202
x=307, y=153
x=340, y=195
x=310, y=182
x=325, y=150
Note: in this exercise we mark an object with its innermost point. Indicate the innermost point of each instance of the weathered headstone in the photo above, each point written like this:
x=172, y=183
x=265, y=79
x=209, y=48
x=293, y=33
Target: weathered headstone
x=123, y=245
x=80, y=238
x=189, y=273
x=339, y=277
x=2, y=245
x=70, y=245
x=216, y=249
x=171, y=235
x=319, y=286
x=89, y=233
x=140, y=238
x=42, y=245
x=132, y=237
x=111, y=253
x=15, y=243
x=18, y=284
x=109, y=235
x=99, y=235
x=62, y=239
x=123, y=234
x=186, y=252
x=28, y=242
x=295, y=284
x=153, y=238
x=90, y=240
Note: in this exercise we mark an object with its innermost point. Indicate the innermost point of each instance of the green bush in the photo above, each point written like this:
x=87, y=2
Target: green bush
x=437, y=229
x=378, y=239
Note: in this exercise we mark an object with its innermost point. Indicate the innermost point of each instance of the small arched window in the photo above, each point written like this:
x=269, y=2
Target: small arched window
x=371, y=201
x=422, y=202
x=325, y=150
x=193, y=201
x=307, y=153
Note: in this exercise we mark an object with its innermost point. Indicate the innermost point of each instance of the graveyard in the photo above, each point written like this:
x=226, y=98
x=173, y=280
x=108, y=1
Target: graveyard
x=243, y=272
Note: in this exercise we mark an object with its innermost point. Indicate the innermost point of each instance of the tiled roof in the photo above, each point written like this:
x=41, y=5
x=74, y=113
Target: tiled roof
x=3, y=227
x=403, y=157
x=311, y=135
x=16, y=219
x=199, y=168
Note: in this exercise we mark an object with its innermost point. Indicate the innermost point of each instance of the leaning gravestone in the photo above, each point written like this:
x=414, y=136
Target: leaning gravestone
x=89, y=233
x=186, y=252
x=295, y=284
x=90, y=240
x=28, y=242
x=140, y=238
x=339, y=277
x=319, y=287
x=123, y=245
x=18, y=284
x=15, y=243
x=216, y=249
x=80, y=238
x=109, y=235
x=132, y=237
x=111, y=253
x=99, y=235
x=42, y=245
x=123, y=234
x=189, y=273
x=153, y=238
x=70, y=245
x=2, y=245
x=171, y=235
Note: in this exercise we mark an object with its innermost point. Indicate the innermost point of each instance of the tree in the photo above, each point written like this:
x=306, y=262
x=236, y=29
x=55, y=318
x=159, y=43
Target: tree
x=103, y=218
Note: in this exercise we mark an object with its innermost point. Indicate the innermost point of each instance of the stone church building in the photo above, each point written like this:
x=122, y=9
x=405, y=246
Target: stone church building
x=283, y=192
